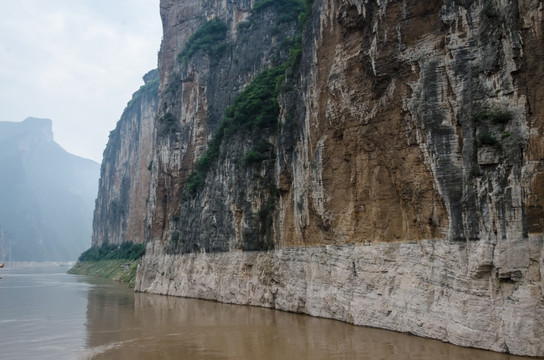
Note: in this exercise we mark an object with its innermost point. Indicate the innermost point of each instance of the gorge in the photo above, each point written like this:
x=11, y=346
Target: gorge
x=379, y=163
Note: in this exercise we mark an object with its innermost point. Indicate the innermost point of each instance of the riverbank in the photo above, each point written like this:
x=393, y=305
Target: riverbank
x=434, y=288
x=95, y=319
x=121, y=270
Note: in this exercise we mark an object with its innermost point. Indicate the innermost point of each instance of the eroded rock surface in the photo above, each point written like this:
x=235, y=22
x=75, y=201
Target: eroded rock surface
x=125, y=173
x=429, y=288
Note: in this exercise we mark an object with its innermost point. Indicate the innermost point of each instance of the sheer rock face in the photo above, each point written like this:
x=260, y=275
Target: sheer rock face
x=407, y=169
x=195, y=93
x=126, y=171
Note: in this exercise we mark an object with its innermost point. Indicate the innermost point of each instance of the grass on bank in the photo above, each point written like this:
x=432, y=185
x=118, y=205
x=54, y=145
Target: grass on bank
x=117, y=270
x=115, y=262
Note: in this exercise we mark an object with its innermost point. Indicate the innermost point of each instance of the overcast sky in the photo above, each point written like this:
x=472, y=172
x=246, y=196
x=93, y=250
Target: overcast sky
x=76, y=62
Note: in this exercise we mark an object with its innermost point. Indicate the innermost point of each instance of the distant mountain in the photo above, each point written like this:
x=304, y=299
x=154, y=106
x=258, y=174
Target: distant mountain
x=47, y=195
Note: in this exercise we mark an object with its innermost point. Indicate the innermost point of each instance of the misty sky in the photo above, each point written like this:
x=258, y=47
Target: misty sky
x=76, y=62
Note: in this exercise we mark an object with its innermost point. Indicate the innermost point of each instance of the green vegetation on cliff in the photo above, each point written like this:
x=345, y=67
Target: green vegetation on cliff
x=150, y=88
x=255, y=108
x=209, y=38
x=125, y=251
x=288, y=10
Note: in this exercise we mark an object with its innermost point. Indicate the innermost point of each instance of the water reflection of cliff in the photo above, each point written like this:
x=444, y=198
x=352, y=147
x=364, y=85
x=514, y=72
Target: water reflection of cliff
x=110, y=314
x=124, y=325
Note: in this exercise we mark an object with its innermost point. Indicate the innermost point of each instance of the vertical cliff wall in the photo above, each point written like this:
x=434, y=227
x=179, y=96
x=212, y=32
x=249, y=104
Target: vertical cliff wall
x=202, y=75
x=381, y=167
x=126, y=170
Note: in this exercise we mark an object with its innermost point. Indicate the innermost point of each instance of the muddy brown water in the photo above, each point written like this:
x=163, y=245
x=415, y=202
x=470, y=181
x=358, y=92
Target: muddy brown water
x=48, y=314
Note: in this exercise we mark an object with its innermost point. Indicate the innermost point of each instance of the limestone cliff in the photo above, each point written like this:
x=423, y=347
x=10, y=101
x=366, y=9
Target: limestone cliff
x=126, y=170
x=383, y=166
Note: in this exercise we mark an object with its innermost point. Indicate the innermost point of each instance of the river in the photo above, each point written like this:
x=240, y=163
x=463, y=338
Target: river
x=48, y=314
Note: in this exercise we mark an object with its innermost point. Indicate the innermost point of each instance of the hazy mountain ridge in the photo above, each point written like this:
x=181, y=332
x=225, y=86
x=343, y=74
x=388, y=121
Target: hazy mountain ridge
x=46, y=194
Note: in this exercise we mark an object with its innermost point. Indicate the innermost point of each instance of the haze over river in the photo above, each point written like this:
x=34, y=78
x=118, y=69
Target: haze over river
x=48, y=314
